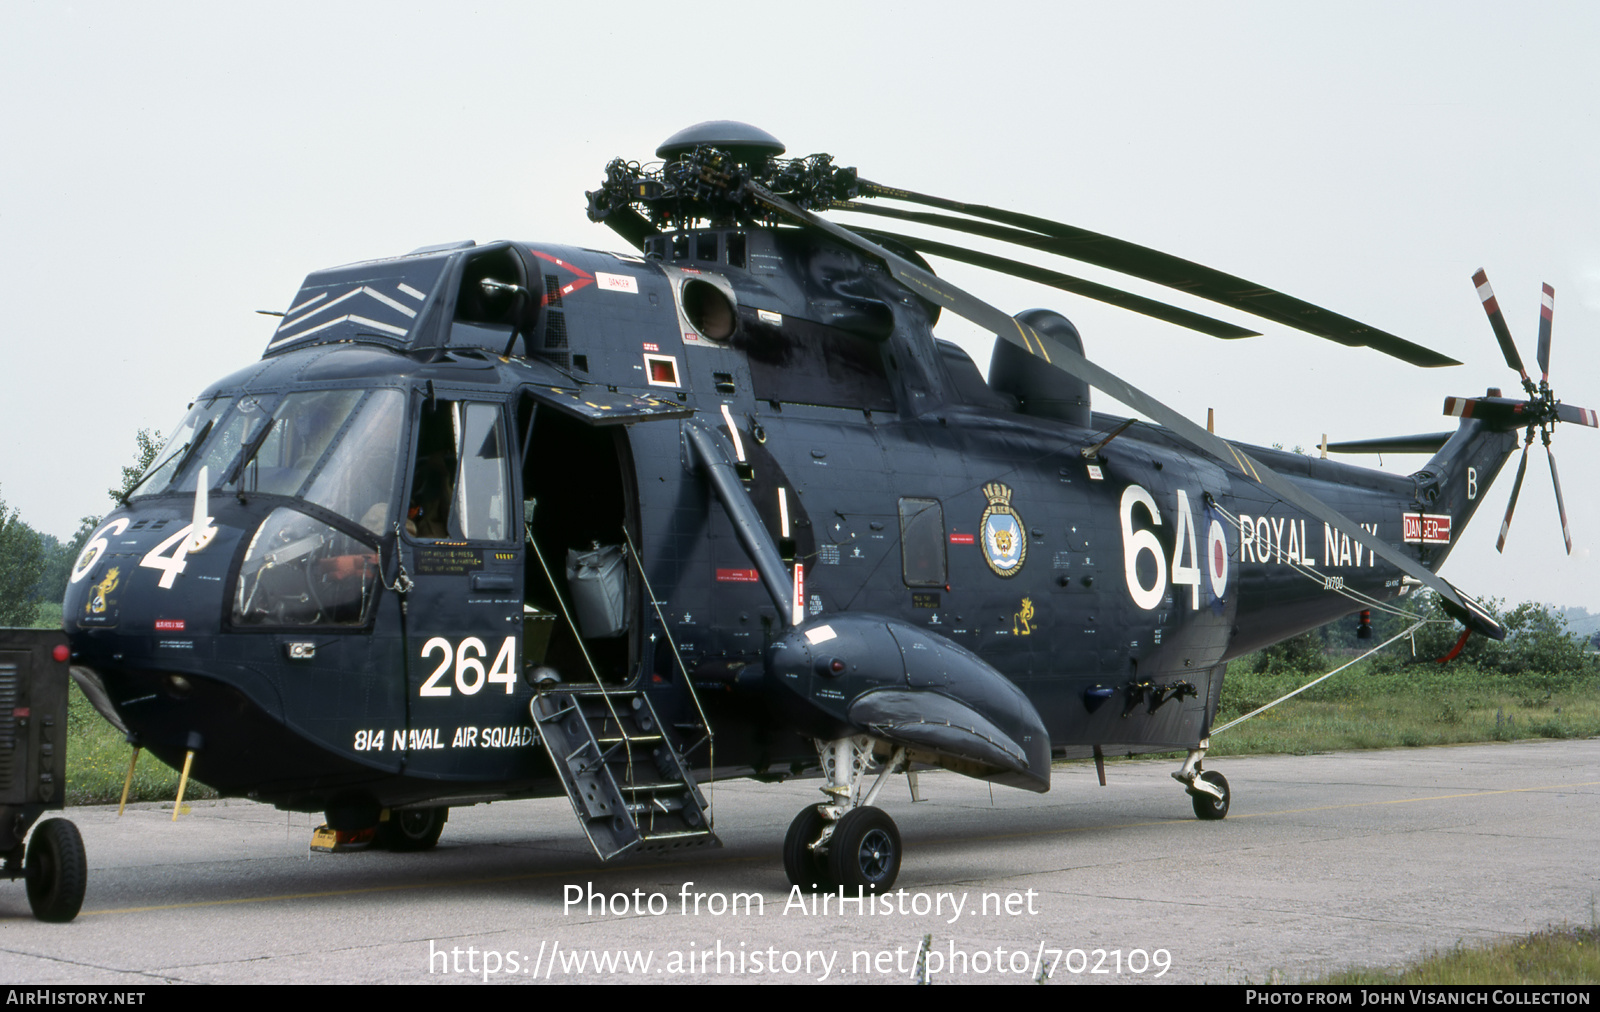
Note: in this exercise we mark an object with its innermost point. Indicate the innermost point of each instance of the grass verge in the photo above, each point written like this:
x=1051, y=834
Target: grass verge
x=1554, y=956
x=1425, y=704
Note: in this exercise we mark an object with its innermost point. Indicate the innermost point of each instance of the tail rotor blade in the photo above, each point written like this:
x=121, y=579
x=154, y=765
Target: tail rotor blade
x=1516, y=490
x=1580, y=416
x=1547, y=306
x=1561, y=506
x=1502, y=333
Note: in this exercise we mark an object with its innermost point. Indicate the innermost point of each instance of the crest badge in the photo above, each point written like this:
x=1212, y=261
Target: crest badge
x=101, y=608
x=1005, y=544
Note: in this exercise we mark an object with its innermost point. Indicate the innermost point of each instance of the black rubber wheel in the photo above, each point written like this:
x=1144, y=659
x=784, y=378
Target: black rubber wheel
x=804, y=866
x=412, y=829
x=57, y=871
x=1207, y=807
x=865, y=851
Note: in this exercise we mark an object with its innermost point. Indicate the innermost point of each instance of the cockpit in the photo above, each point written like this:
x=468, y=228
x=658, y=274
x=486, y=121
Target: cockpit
x=329, y=461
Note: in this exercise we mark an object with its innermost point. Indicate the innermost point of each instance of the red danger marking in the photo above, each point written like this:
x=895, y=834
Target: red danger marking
x=738, y=576
x=169, y=624
x=962, y=539
x=1425, y=528
x=651, y=346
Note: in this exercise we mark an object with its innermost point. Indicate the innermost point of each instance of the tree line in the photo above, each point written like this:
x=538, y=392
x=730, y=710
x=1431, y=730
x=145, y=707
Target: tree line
x=34, y=567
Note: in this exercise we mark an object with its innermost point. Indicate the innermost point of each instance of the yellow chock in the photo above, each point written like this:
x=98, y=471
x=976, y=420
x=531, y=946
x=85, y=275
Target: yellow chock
x=183, y=782
x=127, y=783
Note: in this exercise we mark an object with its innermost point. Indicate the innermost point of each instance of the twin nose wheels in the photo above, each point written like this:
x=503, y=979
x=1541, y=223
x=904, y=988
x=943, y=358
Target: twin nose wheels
x=862, y=851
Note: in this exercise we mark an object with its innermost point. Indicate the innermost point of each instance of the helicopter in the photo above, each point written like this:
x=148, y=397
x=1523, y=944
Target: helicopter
x=510, y=520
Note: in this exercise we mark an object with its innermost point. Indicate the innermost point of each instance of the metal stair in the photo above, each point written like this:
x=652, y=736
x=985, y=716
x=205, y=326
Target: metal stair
x=626, y=779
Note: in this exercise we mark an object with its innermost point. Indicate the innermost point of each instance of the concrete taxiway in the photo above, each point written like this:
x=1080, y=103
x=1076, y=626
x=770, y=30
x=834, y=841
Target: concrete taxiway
x=1326, y=861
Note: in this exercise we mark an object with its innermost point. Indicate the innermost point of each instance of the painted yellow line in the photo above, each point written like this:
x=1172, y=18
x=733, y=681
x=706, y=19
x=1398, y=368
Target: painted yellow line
x=444, y=884
x=1281, y=811
x=528, y=876
x=1042, y=352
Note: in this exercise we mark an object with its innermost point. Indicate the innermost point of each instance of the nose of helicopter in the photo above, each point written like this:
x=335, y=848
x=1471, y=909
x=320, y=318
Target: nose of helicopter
x=143, y=610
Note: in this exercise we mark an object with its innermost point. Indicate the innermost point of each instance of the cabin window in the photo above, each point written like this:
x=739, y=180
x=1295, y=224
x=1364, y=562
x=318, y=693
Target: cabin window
x=922, y=551
x=705, y=246
x=460, y=487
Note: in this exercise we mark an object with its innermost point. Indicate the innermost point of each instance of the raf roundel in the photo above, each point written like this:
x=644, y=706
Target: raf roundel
x=1005, y=545
x=1217, y=553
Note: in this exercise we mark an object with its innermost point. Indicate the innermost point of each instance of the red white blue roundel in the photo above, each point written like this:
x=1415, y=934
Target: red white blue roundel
x=1005, y=544
x=1217, y=558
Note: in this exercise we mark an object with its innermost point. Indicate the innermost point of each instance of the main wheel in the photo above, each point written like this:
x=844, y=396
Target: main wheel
x=57, y=871
x=865, y=850
x=413, y=829
x=1206, y=806
x=804, y=866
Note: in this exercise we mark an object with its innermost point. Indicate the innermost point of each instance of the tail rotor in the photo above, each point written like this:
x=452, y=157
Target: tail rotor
x=1539, y=413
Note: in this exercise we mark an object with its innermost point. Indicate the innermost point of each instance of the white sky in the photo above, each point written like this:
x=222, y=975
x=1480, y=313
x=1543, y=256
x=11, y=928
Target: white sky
x=169, y=169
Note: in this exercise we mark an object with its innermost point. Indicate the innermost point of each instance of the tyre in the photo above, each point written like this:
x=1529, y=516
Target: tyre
x=412, y=829
x=865, y=850
x=57, y=871
x=804, y=866
x=1207, y=807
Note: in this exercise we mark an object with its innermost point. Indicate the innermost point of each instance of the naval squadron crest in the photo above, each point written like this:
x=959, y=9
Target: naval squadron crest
x=1005, y=546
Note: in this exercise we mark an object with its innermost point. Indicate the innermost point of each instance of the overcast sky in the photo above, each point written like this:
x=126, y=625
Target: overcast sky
x=169, y=169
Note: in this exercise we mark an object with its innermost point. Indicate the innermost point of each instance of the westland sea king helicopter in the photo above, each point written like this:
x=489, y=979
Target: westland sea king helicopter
x=519, y=519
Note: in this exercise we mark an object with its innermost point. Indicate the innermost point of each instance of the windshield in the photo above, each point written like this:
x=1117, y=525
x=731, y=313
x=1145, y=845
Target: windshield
x=339, y=449
x=180, y=449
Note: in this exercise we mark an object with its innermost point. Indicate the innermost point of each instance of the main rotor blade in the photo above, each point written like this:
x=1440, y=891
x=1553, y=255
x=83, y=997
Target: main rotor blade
x=1502, y=333
x=1516, y=490
x=1547, y=308
x=1009, y=328
x=1153, y=265
x=1077, y=286
x=1561, y=504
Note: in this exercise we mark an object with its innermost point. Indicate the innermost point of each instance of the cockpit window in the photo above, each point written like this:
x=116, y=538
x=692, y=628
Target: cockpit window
x=299, y=571
x=184, y=445
x=461, y=485
x=302, y=430
x=339, y=449
x=228, y=436
x=359, y=478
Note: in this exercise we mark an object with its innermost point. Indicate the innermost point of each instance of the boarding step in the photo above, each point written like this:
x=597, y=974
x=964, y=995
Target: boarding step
x=628, y=784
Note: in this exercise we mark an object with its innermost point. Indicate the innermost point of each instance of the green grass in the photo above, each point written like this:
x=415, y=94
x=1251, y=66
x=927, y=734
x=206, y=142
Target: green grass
x=1554, y=956
x=1425, y=704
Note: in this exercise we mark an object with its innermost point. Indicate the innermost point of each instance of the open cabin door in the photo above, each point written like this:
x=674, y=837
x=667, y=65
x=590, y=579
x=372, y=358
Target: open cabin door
x=582, y=592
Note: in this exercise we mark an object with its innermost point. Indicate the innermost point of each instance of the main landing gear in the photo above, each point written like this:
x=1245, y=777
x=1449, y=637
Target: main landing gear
x=1208, y=790
x=845, y=842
